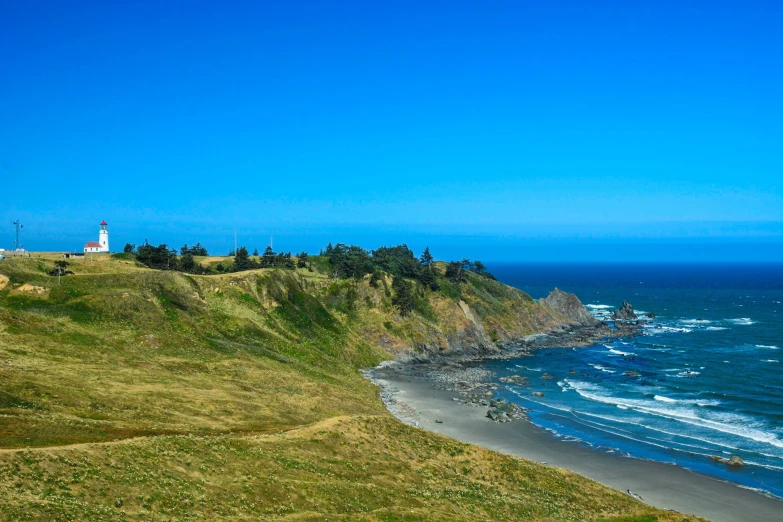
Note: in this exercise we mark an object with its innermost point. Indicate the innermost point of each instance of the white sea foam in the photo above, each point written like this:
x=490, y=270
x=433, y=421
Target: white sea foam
x=745, y=321
x=618, y=352
x=715, y=328
x=696, y=402
x=770, y=347
x=598, y=306
x=688, y=373
x=695, y=322
x=768, y=466
x=636, y=421
x=658, y=328
x=729, y=423
x=602, y=368
x=770, y=360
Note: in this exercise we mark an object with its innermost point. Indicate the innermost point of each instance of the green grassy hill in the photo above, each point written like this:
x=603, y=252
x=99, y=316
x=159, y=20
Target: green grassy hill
x=129, y=393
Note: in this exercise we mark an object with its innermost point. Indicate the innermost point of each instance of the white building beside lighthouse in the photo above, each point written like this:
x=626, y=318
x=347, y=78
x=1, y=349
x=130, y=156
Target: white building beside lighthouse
x=102, y=245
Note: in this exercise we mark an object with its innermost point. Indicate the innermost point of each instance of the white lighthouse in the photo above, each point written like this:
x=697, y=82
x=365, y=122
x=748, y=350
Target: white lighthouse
x=102, y=245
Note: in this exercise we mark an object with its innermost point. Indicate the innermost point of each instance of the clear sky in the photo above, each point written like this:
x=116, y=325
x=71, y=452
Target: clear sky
x=494, y=130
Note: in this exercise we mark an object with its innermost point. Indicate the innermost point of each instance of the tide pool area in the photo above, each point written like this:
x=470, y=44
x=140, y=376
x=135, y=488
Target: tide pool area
x=704, y=378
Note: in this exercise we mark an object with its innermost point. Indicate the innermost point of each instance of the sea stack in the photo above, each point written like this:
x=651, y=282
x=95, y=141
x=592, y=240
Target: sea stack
x=625, y=313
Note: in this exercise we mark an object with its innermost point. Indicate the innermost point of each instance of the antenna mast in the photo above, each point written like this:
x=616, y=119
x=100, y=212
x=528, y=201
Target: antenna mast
x=19, y=226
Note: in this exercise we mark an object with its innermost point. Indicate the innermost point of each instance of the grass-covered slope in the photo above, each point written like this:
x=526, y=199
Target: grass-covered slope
x=158, y=395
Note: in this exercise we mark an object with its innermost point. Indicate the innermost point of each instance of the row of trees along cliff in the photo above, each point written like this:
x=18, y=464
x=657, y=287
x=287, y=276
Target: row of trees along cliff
x=339, y=261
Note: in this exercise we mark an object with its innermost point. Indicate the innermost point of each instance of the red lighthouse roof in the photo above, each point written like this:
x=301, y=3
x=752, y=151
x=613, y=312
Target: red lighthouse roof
x=104, y=223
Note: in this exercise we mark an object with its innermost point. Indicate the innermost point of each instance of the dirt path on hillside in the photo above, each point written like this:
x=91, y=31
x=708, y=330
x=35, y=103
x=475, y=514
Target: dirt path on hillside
x=326, y=423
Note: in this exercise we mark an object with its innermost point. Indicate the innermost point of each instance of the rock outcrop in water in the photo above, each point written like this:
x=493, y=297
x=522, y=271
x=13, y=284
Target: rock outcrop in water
x=569, y=306
x=733, y=461
x=625, y=313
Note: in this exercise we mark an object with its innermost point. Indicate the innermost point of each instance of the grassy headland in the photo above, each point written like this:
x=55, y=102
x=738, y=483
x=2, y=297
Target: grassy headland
x=133, y=393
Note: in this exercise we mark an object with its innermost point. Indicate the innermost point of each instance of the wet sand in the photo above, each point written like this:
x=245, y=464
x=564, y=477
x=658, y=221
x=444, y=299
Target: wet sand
x=665, y=486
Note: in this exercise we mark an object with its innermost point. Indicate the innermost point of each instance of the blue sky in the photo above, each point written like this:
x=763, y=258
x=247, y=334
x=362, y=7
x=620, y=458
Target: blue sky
x=506, y=130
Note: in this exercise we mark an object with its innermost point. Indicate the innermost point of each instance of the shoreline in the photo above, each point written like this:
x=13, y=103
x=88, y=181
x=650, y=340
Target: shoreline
x=431, y=397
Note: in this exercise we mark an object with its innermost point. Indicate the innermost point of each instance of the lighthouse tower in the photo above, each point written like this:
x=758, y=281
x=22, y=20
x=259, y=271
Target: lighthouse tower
x=102, y=245
x=103, y=237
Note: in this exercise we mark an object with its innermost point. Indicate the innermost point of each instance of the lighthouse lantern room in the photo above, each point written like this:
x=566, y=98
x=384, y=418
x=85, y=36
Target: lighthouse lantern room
x=102, y=245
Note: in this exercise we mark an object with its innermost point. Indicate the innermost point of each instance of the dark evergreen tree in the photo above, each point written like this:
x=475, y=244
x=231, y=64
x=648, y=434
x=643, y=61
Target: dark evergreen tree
x=349, y=261
x=268, y=259
x=455, y=272
x=188, y=264
x=398, y=260
x=426, y=258
x=403, y=295
x=301, y=259
x=198, y=250
x=242, y=260
x=255, y=252
x=129, y=248
x=479, y=267
x=159, y=257
x=428, y=279
x=184, y=249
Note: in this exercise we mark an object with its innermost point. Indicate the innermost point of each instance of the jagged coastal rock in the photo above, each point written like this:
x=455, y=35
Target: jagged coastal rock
x=570, y=307
x=733, y=461
x=625, y=313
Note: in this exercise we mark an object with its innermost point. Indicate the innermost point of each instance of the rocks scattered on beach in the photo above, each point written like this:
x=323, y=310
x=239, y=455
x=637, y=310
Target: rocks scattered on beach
x=502, y=411
x=625, y=313
x=455, y=376
x=734, y=460
x=651, y=315
x=514, y=379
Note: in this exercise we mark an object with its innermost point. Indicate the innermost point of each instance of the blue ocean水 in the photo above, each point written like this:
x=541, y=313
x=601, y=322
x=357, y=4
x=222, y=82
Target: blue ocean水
x=704, y=379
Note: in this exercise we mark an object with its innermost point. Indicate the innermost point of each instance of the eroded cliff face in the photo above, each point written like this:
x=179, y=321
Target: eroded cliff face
x=484, y=318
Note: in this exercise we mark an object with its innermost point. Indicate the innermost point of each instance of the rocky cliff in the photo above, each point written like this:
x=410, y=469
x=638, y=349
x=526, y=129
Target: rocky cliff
x=570, y=307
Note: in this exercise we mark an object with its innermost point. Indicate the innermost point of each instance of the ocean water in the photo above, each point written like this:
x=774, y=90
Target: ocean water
x=705, y=378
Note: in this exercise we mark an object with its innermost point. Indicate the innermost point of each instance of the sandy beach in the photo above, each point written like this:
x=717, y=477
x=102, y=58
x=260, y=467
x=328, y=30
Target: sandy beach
x=419, y=401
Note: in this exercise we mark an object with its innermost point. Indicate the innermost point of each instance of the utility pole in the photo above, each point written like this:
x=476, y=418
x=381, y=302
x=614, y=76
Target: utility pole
x=18, y=242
